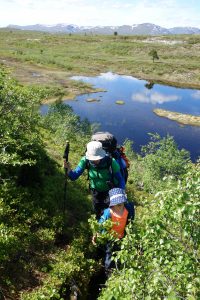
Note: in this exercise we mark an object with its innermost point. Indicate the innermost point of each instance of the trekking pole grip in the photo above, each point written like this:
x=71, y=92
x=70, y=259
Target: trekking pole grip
x=66, y=154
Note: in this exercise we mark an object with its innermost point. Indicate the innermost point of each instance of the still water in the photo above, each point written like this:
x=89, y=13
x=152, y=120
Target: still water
x=135, y=118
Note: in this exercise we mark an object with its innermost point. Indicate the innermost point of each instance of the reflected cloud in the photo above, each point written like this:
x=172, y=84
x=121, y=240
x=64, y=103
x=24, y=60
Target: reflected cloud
x=154, y=97
x=111, y=77
x=81, y=78
x=196, y=95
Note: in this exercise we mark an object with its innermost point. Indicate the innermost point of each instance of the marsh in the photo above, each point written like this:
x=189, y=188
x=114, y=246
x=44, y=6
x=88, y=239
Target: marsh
x=135, y=118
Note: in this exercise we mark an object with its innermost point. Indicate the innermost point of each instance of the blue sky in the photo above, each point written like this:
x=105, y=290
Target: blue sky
x=165, y=13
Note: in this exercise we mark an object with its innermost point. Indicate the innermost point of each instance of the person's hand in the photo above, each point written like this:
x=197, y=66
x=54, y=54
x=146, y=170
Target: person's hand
x=67, y=166
x=94, y=238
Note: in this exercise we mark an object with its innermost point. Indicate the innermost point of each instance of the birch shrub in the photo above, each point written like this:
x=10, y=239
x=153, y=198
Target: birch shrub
x=159, y=256
x=161, y=158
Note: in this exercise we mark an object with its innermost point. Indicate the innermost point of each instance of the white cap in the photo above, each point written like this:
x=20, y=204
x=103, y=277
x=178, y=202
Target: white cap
x=95, y=151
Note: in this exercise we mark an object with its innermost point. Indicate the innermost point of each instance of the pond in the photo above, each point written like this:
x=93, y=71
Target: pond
x=135, y=118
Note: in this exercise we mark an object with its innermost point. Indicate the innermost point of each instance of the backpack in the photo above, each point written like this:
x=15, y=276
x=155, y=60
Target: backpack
x=109, y=143
x=107, y=139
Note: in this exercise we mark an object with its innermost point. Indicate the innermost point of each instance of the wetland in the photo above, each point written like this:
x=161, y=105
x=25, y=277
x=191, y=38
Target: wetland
x=134, y=117
x=124, y=104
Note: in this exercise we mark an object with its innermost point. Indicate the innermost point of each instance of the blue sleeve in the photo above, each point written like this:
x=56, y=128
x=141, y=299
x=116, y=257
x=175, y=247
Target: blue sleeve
x=131, y=210
x=106, y=215
x=74, y=174
x=121, y=181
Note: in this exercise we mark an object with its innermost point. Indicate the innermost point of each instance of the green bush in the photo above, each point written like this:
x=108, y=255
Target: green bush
x=161, y=158
x=31, y=191
x=19, y=123
x=65, y=125
x=160, y=253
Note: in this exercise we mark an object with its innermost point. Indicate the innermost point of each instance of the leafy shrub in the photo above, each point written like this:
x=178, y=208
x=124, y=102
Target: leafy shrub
x=31, y=215
x=160, y=253
x=65, y=125
x=18, y=126
x=161, y=158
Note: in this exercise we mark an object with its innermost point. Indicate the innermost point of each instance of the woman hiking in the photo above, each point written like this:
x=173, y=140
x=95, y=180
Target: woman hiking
x=103, y=174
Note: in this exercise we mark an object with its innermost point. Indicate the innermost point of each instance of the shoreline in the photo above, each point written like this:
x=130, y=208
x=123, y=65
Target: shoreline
x=48, y=76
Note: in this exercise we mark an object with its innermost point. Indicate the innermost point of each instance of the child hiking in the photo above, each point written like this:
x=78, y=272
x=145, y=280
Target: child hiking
x=103, y=174
x=120, y=212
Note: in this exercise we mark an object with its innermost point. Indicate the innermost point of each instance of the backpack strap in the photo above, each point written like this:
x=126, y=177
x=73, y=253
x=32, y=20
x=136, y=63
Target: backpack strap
x=109, y=165
x=117, y=156
x=122, y=160
x=87, y=166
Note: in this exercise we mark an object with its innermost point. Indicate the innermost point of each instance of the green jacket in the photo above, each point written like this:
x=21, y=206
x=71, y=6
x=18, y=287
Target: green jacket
x=99, y=176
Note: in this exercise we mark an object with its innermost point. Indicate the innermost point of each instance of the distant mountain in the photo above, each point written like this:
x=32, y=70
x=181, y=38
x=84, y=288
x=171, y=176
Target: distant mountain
x=184, y=30
x=137, y=29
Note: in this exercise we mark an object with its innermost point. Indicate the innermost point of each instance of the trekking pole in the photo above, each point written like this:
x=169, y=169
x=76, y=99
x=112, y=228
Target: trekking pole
x=65, y=156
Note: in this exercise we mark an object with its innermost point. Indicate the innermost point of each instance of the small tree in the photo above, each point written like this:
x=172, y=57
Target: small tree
x=153, y=53
x=115, y=33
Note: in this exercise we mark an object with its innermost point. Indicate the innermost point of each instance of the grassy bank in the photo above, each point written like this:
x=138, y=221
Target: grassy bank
x=43, y=58
x=184, y=119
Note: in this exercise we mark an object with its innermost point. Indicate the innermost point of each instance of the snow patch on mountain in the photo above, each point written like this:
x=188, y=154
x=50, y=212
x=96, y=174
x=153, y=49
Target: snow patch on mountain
x=135, y=29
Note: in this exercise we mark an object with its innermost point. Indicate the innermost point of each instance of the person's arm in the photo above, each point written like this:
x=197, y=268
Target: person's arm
x=78, y=171
x=106, y=215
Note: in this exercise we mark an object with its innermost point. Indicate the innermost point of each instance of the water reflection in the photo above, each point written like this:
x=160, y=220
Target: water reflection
x=149, y=85
x=154, y=97
x=135, y=119
x=196, y=95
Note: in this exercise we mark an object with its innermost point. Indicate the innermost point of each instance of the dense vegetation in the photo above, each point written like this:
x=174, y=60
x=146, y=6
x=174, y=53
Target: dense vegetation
x=160, y=254
x=45, y=236
x=44, y=249
x=33, y=225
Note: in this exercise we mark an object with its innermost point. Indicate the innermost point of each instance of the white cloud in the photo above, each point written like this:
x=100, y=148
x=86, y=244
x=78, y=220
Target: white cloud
x=154, y=97
x=196, y=95
x=166, y=13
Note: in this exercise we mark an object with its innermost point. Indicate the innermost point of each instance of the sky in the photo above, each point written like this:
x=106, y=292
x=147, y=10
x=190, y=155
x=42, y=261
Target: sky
x=165, y=13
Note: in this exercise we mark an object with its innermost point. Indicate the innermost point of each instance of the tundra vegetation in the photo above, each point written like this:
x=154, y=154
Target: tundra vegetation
x=45, y=249
x=184, y=119
x=36, y=57
x=153, y=53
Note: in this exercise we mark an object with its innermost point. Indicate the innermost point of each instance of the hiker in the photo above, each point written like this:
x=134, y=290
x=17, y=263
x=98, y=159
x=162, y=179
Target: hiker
x=109, y=143
x=120, y=212
x=103, y=174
